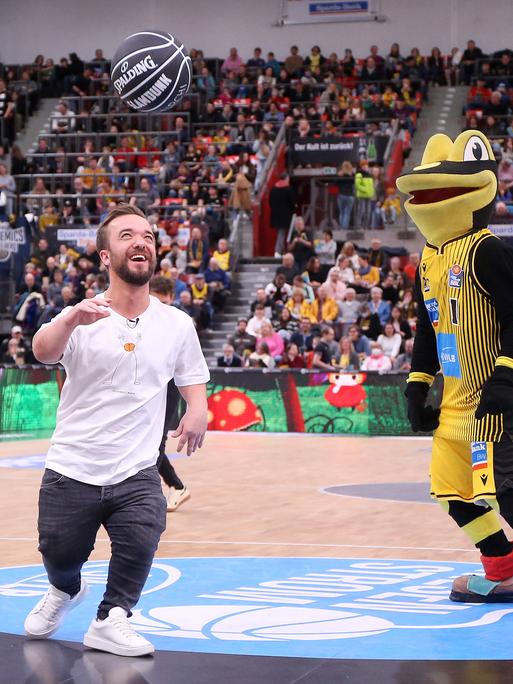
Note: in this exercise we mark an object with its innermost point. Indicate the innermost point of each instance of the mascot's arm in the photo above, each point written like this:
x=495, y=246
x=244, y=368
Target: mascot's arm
x=492, y=267
x=424, y=367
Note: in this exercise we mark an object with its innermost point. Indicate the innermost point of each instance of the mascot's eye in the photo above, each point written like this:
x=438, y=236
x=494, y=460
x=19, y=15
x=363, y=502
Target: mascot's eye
x=475, y=150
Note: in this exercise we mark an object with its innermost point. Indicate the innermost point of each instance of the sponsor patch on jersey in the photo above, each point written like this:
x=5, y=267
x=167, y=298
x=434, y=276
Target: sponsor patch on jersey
x=448, y=355
x=426, y=287
x=456, y=276
x=433, y=311
x=479, y=455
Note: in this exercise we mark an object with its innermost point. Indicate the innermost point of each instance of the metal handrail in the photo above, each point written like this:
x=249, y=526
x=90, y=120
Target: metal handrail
x=271, y=159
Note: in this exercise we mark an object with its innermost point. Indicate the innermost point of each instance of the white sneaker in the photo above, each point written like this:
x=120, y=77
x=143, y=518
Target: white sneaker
x=177, y=497
x=115, y=635
x=46, y=617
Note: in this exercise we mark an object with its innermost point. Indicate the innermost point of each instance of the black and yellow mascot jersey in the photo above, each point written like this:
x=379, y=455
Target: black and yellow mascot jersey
x=465, y=330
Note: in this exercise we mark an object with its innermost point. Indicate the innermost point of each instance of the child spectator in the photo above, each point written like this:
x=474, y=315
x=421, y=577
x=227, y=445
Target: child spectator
x=377, y=361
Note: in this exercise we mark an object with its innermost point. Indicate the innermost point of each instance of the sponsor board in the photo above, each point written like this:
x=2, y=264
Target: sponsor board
x=301, y=607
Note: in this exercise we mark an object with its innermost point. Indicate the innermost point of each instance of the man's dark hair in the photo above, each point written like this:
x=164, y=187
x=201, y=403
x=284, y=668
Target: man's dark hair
x=325, y=330
x=102, y=236
x=162, y=286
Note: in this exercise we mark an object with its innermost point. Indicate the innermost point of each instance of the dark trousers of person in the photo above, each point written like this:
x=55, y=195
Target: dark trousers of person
x=133, y=512
x=166, y=470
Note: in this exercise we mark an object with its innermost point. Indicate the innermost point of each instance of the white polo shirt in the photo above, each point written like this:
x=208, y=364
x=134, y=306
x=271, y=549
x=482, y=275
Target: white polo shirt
x=111, y=412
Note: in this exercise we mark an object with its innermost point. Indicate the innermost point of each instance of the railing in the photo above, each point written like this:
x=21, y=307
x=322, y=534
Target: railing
x=101, y=139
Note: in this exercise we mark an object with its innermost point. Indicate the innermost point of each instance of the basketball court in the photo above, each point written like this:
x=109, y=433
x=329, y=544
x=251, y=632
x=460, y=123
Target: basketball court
x=297, y=559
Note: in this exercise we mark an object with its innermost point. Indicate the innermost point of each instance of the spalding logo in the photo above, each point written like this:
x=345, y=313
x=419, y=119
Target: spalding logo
x=129, y=74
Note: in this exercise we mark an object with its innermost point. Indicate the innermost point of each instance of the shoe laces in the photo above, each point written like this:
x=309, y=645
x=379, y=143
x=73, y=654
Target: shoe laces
x=51, y=605
x=121, y=623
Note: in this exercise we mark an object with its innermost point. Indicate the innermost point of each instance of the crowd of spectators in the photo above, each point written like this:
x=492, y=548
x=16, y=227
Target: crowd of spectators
x=353, y=311
x=58, y=275
x=489, y=108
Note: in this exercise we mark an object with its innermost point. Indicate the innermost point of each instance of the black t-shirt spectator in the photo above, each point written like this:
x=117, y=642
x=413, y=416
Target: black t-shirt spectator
x=301, y=251
x=325, y=352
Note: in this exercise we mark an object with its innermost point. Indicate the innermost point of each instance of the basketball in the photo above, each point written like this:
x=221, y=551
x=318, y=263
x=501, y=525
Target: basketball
x=151, y=71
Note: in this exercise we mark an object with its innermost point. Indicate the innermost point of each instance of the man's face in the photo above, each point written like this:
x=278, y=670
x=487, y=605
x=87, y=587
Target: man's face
x=353, y=334
x=329, y=336
x=29, y=279
x=228, y=351
x=306, y=326
x=288, y=260
x=131, y=251
x=260, y=295
x=280, y=280
x=241, y=326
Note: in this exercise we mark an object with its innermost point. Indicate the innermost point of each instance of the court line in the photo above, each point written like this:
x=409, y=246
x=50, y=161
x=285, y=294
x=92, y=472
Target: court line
x=255, y=543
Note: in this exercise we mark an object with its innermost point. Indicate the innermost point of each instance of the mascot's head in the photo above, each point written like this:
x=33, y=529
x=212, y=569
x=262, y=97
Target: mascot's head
x=453, y=190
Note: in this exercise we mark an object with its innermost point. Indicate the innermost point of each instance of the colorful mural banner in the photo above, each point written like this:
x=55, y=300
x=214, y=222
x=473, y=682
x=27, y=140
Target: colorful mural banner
x=251, y=400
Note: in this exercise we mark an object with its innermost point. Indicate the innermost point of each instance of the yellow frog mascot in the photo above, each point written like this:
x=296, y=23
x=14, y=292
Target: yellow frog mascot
x=465, y=329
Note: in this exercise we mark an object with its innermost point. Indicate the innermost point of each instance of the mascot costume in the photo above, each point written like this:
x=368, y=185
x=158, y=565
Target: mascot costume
x=464, y=289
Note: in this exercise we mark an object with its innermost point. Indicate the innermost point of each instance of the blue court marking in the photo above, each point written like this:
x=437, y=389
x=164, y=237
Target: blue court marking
x=301, y=607
x=410, y=492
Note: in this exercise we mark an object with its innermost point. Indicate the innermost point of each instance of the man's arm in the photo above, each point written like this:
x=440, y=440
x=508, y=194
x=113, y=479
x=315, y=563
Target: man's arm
x=50, y=341
x=318, y=363
x=193, y=426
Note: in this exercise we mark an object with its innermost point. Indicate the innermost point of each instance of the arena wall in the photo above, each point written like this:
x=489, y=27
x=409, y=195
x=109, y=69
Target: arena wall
x=29, y=27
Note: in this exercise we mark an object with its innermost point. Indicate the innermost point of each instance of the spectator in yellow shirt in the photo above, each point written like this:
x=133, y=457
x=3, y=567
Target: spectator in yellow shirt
x=48, y=218
x=223, y=255
x=300, y=307
x=391, y=207
x=325, y=309
x=367, y=276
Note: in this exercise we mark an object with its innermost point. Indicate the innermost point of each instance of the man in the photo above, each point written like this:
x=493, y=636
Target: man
x=282, y=202
x=301, y=244
x=63, y=119
x=162, y=289
x=119, y=351
x=288, y=267
x=322, y=352
x=303, y=338
x=294, y=62
x=241, y=340
x=229, y=358
x=7, y=111
x=361, y=342
x=262, y=298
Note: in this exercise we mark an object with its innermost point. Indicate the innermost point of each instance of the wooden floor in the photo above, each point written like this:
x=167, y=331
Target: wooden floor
x=260, y=495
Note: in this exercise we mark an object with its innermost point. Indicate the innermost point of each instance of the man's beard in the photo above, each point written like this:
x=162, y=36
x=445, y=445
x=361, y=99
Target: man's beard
x=122, y=269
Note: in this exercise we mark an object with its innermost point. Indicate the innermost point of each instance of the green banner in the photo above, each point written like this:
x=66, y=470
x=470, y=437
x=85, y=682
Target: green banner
x=252, y=400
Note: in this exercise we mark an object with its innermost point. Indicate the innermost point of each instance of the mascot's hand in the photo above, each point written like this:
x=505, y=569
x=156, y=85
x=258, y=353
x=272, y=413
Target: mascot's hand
x=497, y=394
x=422, y=418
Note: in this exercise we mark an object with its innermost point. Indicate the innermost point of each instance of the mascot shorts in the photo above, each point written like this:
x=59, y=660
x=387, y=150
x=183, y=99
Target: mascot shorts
x=469, y=471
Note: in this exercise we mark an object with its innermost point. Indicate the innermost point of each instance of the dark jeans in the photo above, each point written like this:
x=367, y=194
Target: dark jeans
x=133, y=513
x=166, y=470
